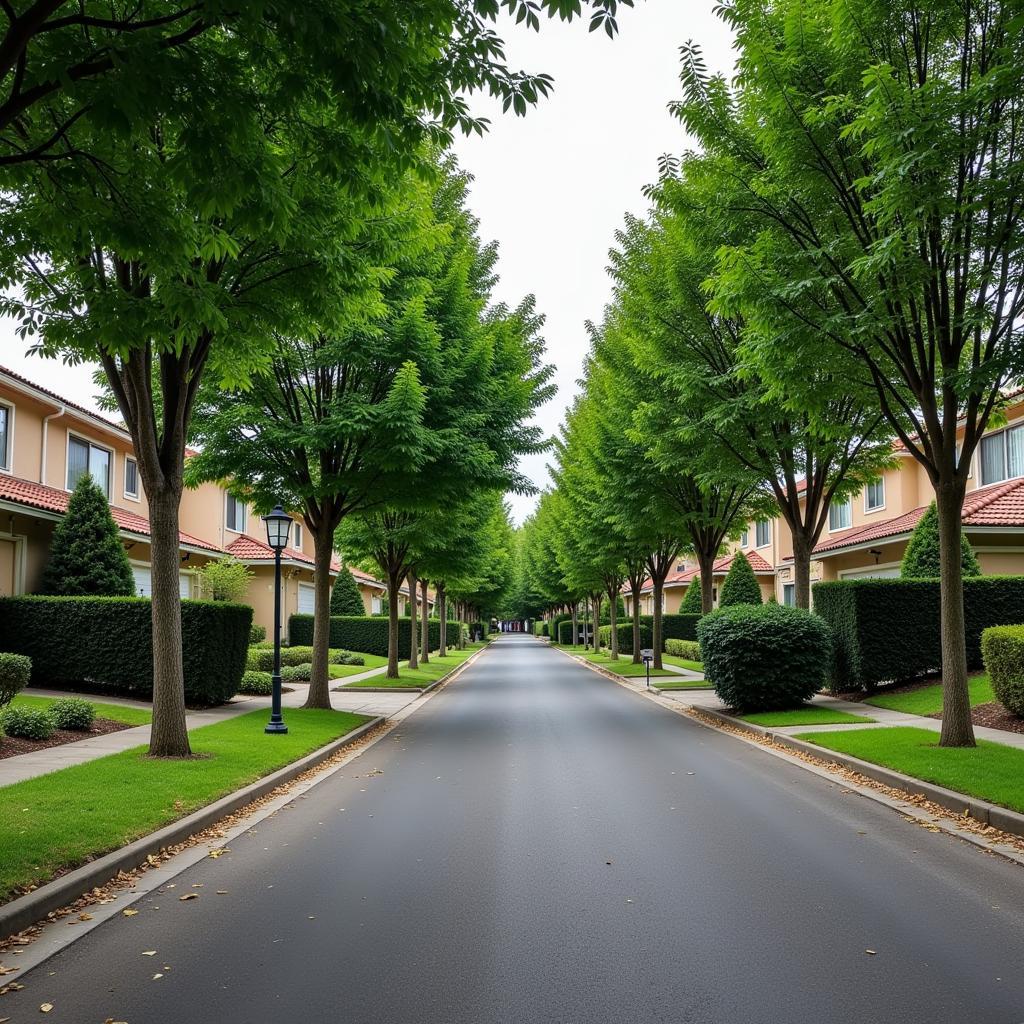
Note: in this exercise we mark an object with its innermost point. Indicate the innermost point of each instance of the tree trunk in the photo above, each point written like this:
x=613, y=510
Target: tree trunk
x=595, y=604
x=613, y=612
x=801, y=570
x=414, y=639
x=394, y=582
x=636, y=586
x=425, y=628
x=319, y=695
x=706, y=564
x=575, y=624
x=442, y=614
x=169, y=732
x=957, y=730
x=656, y=638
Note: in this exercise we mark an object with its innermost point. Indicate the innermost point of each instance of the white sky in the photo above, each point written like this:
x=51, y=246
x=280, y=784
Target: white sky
x=554, y=186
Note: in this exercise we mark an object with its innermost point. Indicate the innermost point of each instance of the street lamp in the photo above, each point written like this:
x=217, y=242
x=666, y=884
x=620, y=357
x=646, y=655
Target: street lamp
x=279, y=526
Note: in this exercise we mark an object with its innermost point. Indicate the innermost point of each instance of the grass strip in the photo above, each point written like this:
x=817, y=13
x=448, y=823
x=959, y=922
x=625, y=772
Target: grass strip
x=989, y=771
x=115, y=712
x=809, y=715
x=62, y=819
x=928, y=699
x=689, y=684
x=420, y=677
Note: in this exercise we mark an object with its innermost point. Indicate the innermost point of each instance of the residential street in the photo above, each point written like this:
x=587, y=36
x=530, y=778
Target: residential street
x=537, y=844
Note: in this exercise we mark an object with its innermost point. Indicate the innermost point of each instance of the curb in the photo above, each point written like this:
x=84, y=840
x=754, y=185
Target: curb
x=412, y=689
x=27, y=910
x=1001, y=818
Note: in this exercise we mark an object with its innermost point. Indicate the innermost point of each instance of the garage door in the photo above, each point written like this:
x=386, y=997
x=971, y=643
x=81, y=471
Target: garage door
x=144, y=582
x=872, y=573
x=307, y=598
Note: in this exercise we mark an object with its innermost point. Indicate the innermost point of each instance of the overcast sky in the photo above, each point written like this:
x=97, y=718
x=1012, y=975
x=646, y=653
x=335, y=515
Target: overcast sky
x=554, y=186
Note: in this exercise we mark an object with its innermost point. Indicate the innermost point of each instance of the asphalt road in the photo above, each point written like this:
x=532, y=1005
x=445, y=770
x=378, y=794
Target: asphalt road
x=541, y=845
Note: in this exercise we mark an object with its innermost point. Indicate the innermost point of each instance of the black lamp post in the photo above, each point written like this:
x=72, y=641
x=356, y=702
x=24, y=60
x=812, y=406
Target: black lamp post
x=279, y=526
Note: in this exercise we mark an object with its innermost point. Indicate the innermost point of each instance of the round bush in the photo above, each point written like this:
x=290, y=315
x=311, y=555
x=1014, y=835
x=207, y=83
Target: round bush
x=296, y=655
x=1002, y=647
x=72, y=713
x=15, y=670
x=257, y=633
x=256, y=684
x=346, y=658
x=259, y=659
x=27, y=723
x=764, y=657
x=297, y=673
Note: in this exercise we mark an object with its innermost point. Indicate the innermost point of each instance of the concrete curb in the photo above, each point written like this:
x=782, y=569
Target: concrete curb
x=33, y=907
x=998, y=817
x=412, y=689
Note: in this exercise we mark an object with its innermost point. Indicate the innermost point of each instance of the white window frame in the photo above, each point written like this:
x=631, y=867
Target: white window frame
x=996, y=433
x=7, y=457
x=867, y=490
x=239, y=504
x=128, y=494
x=745, y=538
x=848, y=505
x=92, y=444
x=767, y=524
x=298, y=535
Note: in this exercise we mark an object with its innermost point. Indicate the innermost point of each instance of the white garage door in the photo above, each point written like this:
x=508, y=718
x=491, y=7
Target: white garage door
x=307, y=598
x=871, y=573
x=144, y=582
x=184, y=585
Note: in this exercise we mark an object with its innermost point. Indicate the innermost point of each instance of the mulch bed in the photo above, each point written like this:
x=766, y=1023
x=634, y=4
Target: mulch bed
x=12, y=746
x=995, y=716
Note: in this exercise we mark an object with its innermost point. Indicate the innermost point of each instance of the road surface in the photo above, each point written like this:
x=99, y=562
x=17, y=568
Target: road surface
x=538, y=844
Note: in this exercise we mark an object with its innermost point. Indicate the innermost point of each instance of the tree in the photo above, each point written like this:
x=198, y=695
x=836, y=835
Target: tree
x=740, y=585
x=893, y=196
x=225, y=579
x=921, y=559
x=87, y=557
x=691, y=603
x=345, y=596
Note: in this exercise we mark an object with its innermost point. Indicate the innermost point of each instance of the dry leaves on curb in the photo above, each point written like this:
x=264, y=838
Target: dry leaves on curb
x=188, y=896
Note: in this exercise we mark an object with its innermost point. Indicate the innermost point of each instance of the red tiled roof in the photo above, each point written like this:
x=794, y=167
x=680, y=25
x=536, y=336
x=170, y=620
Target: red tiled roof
x=995, y=505
x=50, y=499
x=249, y=549
x=721, y=567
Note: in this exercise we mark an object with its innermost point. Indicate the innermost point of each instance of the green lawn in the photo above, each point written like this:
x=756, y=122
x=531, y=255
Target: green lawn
x=928, y=699
x=421, y=677
x=989, y=771
x=62, y=819
x=623, y=666
x=693, y=666
x=370, y=661
x=809, y=715
x=115, y=712
x=690, y=684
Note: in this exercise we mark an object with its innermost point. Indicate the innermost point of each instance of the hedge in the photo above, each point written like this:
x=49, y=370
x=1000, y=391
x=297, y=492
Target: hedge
x=540, y=629
x=688, y=650
x=625, y=631
x=681, y=626
x=1003, y=650
x=888, y=629
x=367, y=634
x=565, y=637
x=106, y=644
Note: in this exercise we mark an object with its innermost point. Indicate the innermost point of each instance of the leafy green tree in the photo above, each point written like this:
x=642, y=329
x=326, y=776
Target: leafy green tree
x=87, y=557
x=346, y=598
x=691, y=603
x=740, y=585
x=921, y=559
x=225, y=579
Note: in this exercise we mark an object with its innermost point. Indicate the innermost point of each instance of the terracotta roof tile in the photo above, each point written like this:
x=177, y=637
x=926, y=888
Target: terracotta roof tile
x=722, y=564
x=249, y=549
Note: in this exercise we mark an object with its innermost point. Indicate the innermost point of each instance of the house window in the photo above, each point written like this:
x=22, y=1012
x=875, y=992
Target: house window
x=789, y=594
x=840, y=517
x=234, y=515
x=298, y=536
x=131, y=478
x=763, y=533
x=6, y=436
x=1002, y=455
x=744, y=538
x=874, y=495
x=86, y=457
x=970, y=469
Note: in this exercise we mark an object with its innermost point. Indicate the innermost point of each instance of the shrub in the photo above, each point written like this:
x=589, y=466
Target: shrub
x=345, y=596
x=257, y=634
x=15, y=670
x=72, y=713
x=297, y=673
x=225, y=579
x=764, y=657
x=106, y=644
x=921, y=559
x=887, y=629
x=1002, y=648
x=677, y=627
x=691, y=603
x=256, y=684
x=625, y=631
x=565, y=637
x=259, y=659
x=87, y=557
x=740, y=585
x=367, y=634
x=346, y=658
x=687, y=649
x=27, y=723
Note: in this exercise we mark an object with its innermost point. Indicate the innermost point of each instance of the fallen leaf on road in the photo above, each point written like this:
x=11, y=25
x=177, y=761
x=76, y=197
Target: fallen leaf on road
x=222, y=892
x=45, y=1007
x=188, y=896
x=129, y=913
x=7, y=970
x=149, y=952
x=870, y=952
x=219, y=852
x=157, y=976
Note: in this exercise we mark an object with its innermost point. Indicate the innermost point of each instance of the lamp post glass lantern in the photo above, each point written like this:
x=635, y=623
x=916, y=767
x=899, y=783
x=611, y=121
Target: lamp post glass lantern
x=279, y=525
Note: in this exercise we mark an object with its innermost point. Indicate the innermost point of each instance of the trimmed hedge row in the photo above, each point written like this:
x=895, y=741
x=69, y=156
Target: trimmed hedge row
x=106, y=644
x=689, y=650
x=888, y=629
x=367, y=634
x=625, y=632
x=540, y=629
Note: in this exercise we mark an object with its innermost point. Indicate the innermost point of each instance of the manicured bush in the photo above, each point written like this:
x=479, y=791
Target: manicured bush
x=921, y=559
x=565, y=637
x=256, y=684
x=888, y=629
x=15, y=671
x=555, y=623
x=259, y=659
x=87, y=557
x=677, y=627
x=764, y=657
x=740, y=585
x=367, y=634
x=686, y=649
x=225, y=579
x=72, y=713
x=346, y=658
x=106, y=644
x=691, y=603
x=625, y=631
x=1002, y=648
x=345, y=596
x=297, y=673
x=27, y=723
x=257, y=634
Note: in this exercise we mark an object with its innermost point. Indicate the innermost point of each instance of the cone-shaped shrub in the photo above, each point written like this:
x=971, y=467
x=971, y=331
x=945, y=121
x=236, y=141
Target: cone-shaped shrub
x=345, y=596
x=740, y=586
x=87, y=557
x=921, y=559
x=691, y=599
